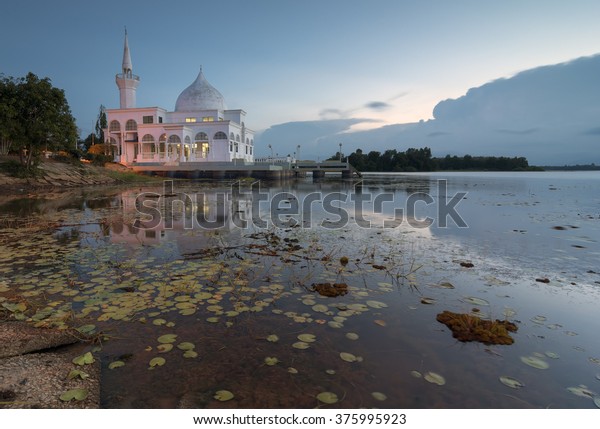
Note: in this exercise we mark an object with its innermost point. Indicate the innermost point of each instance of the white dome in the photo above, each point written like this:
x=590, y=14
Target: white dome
x=200, y=95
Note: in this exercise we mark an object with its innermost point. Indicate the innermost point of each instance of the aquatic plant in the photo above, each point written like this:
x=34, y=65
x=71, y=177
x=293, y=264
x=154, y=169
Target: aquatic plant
x=466, y=327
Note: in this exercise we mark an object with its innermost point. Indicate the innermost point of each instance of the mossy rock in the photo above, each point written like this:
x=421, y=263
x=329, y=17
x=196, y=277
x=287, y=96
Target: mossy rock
x=466, y=327
x=330, y=289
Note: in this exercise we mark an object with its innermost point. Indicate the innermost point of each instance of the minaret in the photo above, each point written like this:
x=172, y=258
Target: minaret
x=127, y=81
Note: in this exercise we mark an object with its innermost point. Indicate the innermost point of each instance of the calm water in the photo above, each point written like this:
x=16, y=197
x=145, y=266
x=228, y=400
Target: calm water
x=242, y=296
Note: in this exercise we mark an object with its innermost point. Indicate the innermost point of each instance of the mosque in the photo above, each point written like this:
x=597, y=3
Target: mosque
x=200, y=130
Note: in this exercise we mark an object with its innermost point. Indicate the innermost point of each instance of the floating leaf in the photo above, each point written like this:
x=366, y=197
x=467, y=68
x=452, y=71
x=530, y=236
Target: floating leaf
x=223, y=395
x=352, y=336
x=443, y=285
x=535, y=362
x=307, y=338
x=327, y=397
x=270, y=361
x=335, y=325
x=212, y=319
x=330, y=371
x=348, y=357
x=426, y=300
x=75, y=373
x=190, y=354
x=167, y=338
x=185, y=346
x=273, y=338
x=84, y=359
x=435, y=378
x=416, y=374
x=159, y=322
x=475, y=301
x=320, y=308
x=511, y=382
x=76, y=394
x=116, y=364
x=292, y=370
x=157, y=361
x=86, y=329
x=379, y=396
x=552, y=355
x=539, y=320
x=582, y=390
x=301, y=345
x=376, y=304
x=594, y=360
x=380, y=322
x=164, y=348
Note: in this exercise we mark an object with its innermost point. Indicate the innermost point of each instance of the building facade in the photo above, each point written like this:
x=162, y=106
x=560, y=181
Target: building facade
x=200, y=129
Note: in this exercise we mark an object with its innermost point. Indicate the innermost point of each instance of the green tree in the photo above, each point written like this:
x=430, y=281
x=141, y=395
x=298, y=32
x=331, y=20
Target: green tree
x=101, y=124
x=38, y=116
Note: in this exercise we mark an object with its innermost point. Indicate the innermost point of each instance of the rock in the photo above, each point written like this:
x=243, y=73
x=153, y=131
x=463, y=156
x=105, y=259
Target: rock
x=329, y=289
x=37, y=380
x=466, y=327
x=17, y=338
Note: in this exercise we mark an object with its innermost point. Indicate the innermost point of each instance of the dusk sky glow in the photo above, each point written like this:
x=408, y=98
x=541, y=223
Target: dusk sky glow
x=388, y=61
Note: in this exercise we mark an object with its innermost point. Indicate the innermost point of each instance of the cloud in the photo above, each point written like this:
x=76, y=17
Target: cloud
x=592, y=132
x=518, y=132
x=438, y=133
x=378, y=105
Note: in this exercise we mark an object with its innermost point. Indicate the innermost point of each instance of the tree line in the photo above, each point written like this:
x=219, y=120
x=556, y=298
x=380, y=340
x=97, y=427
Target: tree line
x=421, y=160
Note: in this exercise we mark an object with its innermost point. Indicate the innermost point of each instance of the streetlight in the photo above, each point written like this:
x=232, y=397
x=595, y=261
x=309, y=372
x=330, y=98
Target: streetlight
x=340, y=152
x=271, y=147
x=298, y=153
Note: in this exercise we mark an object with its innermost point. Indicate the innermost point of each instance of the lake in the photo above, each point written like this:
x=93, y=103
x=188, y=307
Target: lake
x=327, y=294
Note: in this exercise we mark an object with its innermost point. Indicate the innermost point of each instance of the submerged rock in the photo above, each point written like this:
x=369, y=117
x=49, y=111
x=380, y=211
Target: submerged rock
x=17, y=338
x=466, y=327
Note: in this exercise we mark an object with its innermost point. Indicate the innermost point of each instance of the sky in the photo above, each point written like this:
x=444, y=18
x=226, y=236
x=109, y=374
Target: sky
x=382, y=61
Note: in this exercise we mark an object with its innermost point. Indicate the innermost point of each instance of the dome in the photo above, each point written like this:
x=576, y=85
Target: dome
x=200, y=95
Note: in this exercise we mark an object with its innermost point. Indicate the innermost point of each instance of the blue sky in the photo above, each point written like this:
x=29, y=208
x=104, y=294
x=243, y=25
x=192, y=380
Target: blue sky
x=389, y=61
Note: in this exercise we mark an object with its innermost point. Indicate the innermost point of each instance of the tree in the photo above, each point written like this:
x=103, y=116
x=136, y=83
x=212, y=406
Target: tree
x=101, y=124
x=37, y=117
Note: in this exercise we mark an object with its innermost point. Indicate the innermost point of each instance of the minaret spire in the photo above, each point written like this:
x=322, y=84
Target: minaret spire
x=127, y=81
x=127, y=67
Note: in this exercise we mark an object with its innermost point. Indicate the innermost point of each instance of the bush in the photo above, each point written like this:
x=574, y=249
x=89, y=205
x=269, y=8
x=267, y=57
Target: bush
x=16, y=169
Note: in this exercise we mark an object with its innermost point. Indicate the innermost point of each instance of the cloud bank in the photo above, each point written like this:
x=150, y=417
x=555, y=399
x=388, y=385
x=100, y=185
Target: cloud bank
x=549, y=114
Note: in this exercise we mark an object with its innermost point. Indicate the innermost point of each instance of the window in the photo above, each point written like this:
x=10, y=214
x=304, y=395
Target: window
x=250, y=150
x=201, y=137
x=114, y=126
x=187, y=140
x=220, y=136
x=131, y=125
x=230, y=147
x=190, y=119
x=174, y=139
x=232, y=136
x=148, y=119
x=160, y=120
x=208, y=119
x=147, y=139
x=237, y=138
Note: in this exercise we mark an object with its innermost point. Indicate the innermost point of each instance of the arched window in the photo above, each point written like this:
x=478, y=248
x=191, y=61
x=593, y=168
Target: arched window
x=252, y=142
x=201, y=137
x=131, y=125
x=174, y=139
x=147, y=139
x=247, y=140
x=161, y=143
x=220, y=136
x=114, y=126
x=231, y=136
x=237, y=138
x=187, y=140
x=148, y=146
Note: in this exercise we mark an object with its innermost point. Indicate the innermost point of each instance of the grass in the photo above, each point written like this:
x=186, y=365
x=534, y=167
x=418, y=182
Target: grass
x=130, y=177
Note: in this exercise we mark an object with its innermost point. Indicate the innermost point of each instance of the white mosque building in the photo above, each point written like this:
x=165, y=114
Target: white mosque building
x=201, y=129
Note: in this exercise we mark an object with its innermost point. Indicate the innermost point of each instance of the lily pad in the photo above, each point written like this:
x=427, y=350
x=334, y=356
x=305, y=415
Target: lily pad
x=552, y=355
x=307, y=338
x=475, y=301
x=327, y=397
x=167, y=338
x=428, y=301
x=376, y=304
x=416, y=374
x=379, y=396
x=301, y=345
x=273, y=338
x=164, y=348
x=116, y=364
x=74, y=394
x=223, y=395
x=511, y=382
x=157, y=361
x=76, y=373
x=185, y=346
x=348, y=357
x=190, y=354
x=535, y=362
x=435, y=378
x=84, y=359
x=292, y=370
x=582, y=390
x=270, y=361
x=320, y=308
x=352, y=336
x=86, y=329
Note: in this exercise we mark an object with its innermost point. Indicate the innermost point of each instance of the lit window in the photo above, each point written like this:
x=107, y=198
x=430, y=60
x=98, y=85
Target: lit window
x=190, y=119
x=208, y=119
